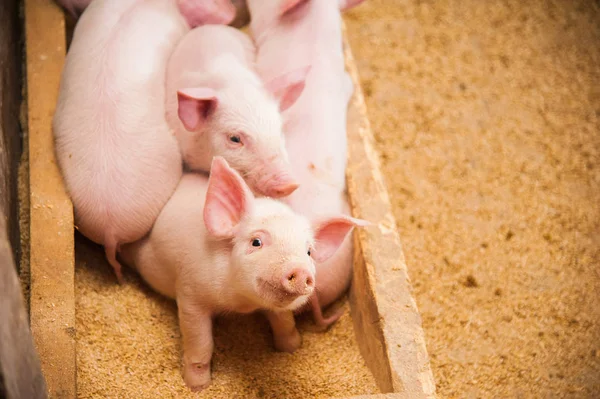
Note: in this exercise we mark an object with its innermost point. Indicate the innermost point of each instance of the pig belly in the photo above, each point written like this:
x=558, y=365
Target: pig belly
x=118, y=160
x=143, y=258
x=119, y=196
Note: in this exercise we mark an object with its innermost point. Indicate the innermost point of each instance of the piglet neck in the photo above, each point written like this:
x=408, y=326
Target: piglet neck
x=196, y=150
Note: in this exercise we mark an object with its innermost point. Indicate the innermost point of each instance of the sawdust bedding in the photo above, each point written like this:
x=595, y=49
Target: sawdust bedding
x=487, y=118
x=129, y=346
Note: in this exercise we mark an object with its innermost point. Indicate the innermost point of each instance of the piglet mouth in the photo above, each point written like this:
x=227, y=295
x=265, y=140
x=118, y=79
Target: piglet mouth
x=280, y=297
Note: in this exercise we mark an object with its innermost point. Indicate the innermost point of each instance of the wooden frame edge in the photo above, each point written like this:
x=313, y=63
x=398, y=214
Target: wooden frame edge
x=52, y=256
x=385, y=315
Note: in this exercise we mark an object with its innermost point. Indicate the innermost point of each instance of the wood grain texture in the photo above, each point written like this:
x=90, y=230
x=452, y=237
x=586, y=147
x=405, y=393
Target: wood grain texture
x=10, y=140
x=20, y=372
x=386, y=318
x=51, y=230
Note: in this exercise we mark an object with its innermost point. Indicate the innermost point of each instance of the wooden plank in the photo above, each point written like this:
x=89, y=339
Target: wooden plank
x=20, y=372
x=386, y=320
x=10, y=143
x=51, y=212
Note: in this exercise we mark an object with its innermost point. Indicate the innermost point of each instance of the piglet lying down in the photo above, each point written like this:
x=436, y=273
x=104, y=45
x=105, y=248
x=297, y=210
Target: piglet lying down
x=119, y=162
x=216, y=248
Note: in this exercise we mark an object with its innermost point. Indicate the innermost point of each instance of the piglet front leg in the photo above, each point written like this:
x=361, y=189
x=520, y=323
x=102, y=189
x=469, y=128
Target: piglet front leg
x=285, y=334
x=196, y=330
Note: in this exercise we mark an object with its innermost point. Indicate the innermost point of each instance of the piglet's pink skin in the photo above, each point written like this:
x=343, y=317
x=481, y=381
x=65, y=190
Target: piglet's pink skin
x=289, y=35
x=216, y=248
x=74, y=7
x=112, y=141
x=196, y=12
x=217, y=105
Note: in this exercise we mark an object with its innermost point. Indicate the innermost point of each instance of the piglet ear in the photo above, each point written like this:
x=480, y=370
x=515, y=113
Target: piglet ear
x=195, y=105
x=348, y=4
x=202, y=12
x=330, y=234
x=289, y=6
x=288, y=87
x=227, y=199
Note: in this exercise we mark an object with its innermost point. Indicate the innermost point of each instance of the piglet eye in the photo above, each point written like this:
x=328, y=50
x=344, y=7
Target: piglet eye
x=234, y=138
x=256, y=242
x=308, y=253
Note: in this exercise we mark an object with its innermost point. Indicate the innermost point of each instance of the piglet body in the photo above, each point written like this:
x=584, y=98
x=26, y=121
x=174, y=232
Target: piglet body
x=217, y=105
x=216, y=248
x=118, y=160
x=290, y=34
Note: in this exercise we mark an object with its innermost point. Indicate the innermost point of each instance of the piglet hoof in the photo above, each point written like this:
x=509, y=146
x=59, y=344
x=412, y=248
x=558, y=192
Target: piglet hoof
x=289, y=342
x=197, y=376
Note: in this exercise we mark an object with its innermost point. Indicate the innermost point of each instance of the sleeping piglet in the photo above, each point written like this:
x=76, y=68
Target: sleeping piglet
x=290, y=34
x=216, y=248
x=119, y=162
x=217, y=105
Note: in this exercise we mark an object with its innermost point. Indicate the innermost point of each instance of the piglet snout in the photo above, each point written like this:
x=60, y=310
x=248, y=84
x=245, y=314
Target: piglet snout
x=282, y=190
x=278, y=186
x=298, y=281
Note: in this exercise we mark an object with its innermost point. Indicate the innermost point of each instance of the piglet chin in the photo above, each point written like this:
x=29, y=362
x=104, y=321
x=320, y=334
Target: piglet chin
x=277, y=299
x=298, y=303
x=292, y=306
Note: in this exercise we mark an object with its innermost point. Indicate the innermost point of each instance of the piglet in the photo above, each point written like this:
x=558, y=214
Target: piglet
x=290, y=34
x=118, y=160
x=217, y=105
x=216, y=248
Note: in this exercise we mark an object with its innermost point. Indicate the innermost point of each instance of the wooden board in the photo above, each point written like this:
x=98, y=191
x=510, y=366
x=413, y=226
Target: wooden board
x=20, y=372
x=10, y=92
x=386, y=318
x=52, y=296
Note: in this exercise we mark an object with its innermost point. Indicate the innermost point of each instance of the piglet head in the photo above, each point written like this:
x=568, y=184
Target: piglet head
x=270, y=245
x=273, y=249
x=245, y=128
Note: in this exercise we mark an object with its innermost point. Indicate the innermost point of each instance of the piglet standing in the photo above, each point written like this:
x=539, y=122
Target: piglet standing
x=118, y=160
x=216, y=248
x=217, y=105
x=290, y=34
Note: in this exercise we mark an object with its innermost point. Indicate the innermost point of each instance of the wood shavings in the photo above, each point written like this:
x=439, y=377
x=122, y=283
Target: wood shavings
x=129, y=345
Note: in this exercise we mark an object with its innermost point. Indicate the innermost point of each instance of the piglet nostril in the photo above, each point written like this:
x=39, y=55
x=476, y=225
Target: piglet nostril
x=310, y=282
x=298, y=281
